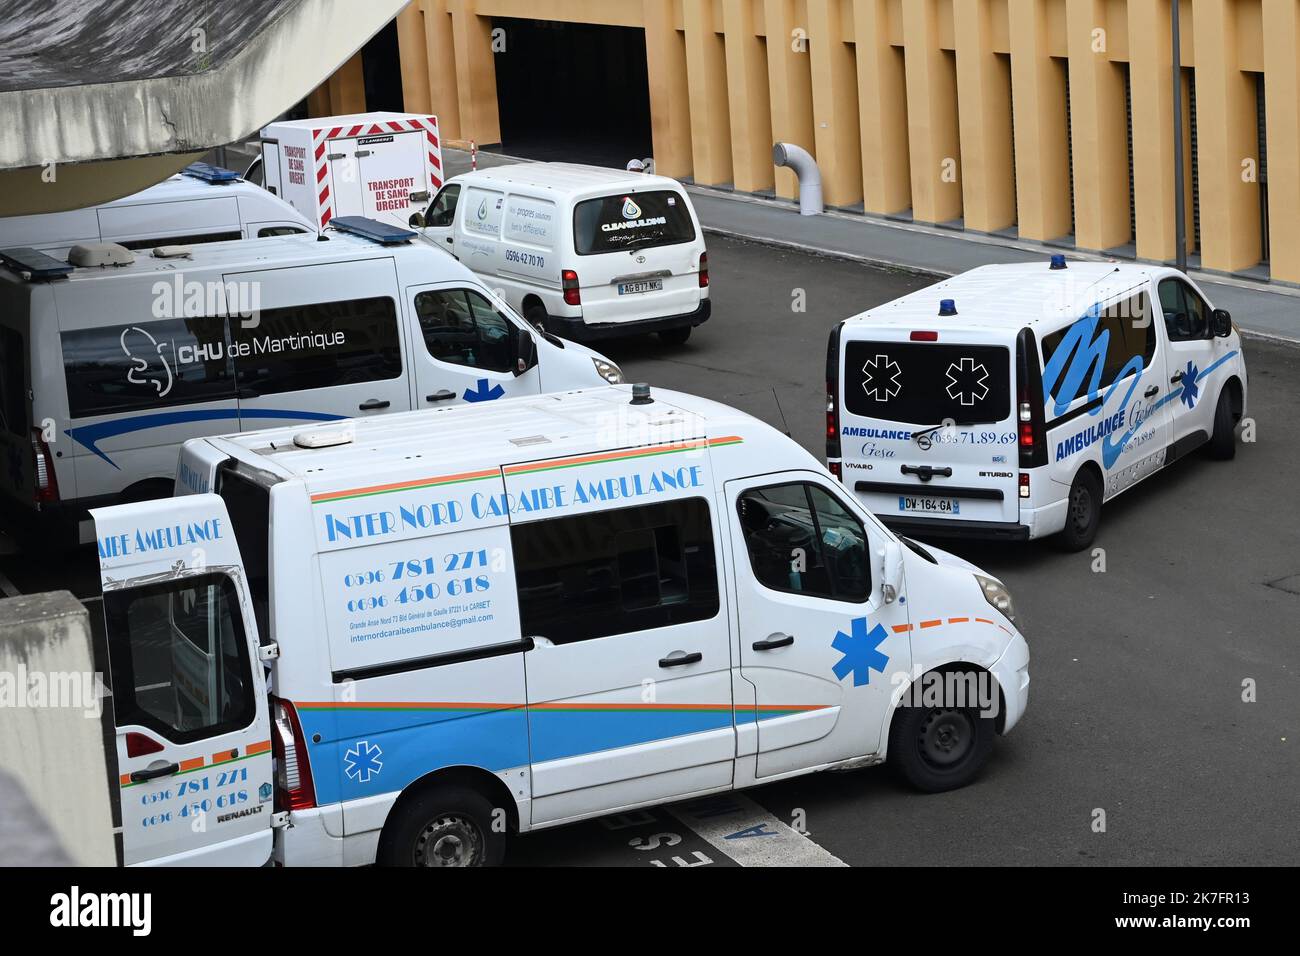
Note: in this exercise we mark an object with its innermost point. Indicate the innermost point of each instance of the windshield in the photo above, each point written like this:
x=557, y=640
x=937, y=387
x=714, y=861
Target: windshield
x=928, y=384
x=631, y=221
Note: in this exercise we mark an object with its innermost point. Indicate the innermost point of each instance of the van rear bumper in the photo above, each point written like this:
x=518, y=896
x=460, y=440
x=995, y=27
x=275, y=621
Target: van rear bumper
x=575, y=329
x=956, y=528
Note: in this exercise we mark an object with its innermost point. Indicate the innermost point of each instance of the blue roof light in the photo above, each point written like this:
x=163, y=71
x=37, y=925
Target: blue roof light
x=36, y=264
x=372, y=229
x=1058, y=261
x=947, y=307
x=211, y=174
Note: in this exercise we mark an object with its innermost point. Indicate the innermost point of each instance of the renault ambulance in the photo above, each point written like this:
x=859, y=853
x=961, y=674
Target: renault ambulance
x=583, y=251
x=1011, y=401
x=404, y=639
x=111, y=360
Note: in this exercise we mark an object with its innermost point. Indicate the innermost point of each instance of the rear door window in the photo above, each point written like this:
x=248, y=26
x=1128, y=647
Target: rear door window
x=639, y=220
x=926, y=384
x=123, y=368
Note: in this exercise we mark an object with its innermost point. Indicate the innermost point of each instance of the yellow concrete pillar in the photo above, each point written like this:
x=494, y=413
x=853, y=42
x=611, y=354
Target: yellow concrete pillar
x=1282, y=106
x=343, y=92
x=835, y=103
x=1100, y=128
x=1150, y=79
x=984, y=97
x=413, y=56
x=1227, y=139
x=750, y=110
x=476, y=78
x=931, y=117
x=670, y=103
x=789, y=79
x=706, y=76
x=1042, y=152
x=882, y=111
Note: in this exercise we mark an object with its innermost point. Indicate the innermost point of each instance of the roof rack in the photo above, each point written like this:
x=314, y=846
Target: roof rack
x=37, y=265
x=211, y=174
x=372, y=229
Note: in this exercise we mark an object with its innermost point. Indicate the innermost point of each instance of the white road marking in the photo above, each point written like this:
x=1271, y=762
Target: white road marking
x=744, y=831
x=8, y=588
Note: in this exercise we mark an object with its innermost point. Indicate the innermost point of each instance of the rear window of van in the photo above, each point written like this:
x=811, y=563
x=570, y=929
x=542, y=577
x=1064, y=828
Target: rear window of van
x=631, y=221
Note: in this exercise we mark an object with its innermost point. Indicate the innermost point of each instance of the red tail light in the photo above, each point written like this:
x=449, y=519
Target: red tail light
x=138, y=745
x=1024, y=484
x=294, y=789
x=920, y=336
x=835, y=469
x=704, y=270
x=569, y=283
x=1031, y=428
x=47, y=482
x=1026, y=426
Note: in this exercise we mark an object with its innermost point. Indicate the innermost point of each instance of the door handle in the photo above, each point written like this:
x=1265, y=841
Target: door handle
x=440, y=396
x=1177, y=378
x=372, y=404
x=139, y=776
x=450, y=240
x=1150, y=392
x=693, y=658
x=774, y=641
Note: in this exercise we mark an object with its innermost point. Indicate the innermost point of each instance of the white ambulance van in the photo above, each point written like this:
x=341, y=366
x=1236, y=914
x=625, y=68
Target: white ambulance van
x=584, y=251
x=105, y=370
x=373, y=640
x=378, y=165
x=1013, y=400
x=202, y=204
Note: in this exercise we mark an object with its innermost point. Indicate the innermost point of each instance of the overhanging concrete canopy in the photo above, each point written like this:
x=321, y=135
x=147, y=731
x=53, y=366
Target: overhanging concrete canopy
x=102, y=98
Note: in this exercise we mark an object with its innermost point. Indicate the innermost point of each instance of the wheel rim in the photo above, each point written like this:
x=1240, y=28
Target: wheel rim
x=1081, y=507
x=947, y=738
x=450, y=840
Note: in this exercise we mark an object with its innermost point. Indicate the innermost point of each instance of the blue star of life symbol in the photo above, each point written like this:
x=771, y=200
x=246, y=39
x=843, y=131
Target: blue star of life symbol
x=860, y=650
x=482, y=393
x=1191, y=391
x=362, y=761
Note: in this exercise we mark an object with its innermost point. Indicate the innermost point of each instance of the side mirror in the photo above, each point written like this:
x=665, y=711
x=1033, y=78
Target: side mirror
x=416, y=221
x=525, y=351
x=891, y=572
x=1221, y=323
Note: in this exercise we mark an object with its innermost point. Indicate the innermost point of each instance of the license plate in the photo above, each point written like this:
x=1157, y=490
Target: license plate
x=647, y=285
x=935, y=506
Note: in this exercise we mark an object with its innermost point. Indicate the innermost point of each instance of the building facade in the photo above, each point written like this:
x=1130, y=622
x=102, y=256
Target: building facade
x=1048, y=120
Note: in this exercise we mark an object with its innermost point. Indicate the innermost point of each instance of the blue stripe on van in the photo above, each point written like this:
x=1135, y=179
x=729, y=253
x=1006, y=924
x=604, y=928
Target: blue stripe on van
x=89, y=436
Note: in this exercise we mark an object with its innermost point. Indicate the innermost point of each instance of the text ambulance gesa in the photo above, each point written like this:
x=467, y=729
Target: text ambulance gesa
x=403, y=639
x=1011, y=401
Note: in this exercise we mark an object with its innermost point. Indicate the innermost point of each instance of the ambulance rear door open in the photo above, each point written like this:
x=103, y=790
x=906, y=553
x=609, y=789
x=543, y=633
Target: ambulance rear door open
x=193, y=731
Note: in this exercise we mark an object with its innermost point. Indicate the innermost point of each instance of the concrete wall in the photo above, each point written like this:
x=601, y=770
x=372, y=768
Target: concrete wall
x=51, y=736
x=949, y=109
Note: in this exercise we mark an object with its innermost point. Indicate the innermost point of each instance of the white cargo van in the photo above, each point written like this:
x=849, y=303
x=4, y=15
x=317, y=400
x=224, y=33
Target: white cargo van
x=378, y=165
x=104, y=371
x=203, y=204
x=584, y=251
x=1012, y=400
x=395, y=639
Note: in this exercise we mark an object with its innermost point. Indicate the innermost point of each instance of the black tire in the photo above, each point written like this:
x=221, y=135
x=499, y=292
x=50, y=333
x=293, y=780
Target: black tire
x=1082, y=513
x=676, y=336
x=1223, y=443
x=940, y=748
x=444, y=826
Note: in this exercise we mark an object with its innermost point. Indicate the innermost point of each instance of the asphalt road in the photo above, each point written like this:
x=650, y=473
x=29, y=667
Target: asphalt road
x=1137, y=672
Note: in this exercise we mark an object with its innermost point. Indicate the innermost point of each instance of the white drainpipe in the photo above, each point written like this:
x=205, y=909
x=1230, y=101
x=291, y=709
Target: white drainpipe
x=810, y=177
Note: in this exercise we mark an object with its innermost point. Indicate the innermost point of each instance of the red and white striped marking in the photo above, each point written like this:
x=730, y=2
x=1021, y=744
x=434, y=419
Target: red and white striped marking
x=322, y=135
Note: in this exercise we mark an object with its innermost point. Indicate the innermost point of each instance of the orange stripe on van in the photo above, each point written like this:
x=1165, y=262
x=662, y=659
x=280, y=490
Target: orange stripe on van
x=958, y=620
x=261, y=747
x=983, y=620
x=125, y=780
x=327, y=496
x=902, y=628
x=932, y=623
x=224, y=757
x=194, y=763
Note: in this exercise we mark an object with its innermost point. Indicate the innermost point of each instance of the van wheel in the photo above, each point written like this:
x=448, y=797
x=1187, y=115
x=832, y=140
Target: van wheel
x=535, y=315
x=1223, y=443
x=675, y=336
x=939, y=748
x=445, y=826
x=1083, y=513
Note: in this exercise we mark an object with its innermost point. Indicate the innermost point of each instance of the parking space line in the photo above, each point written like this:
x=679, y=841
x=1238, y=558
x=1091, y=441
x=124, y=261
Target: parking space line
x=742, y=830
